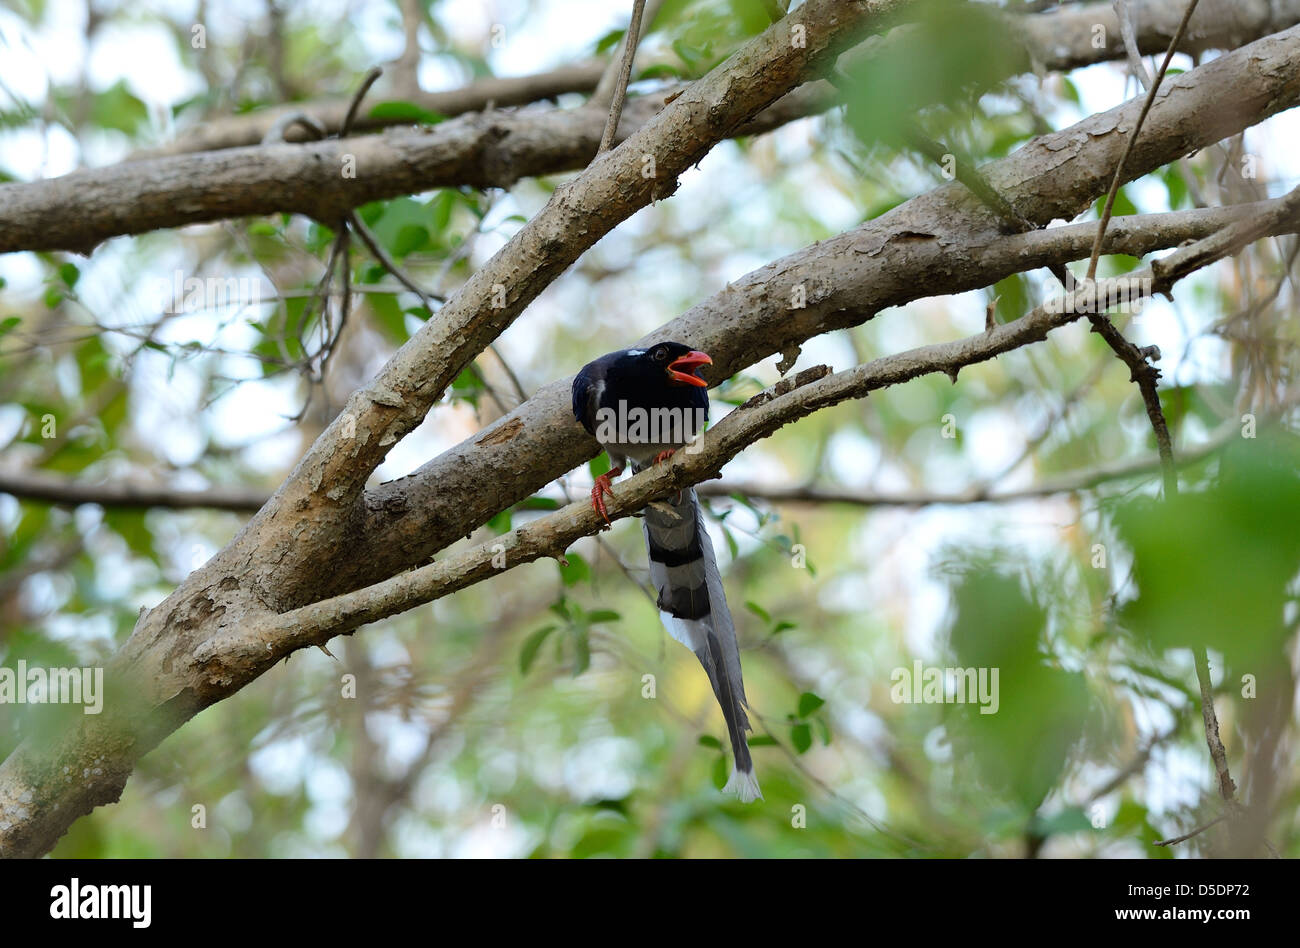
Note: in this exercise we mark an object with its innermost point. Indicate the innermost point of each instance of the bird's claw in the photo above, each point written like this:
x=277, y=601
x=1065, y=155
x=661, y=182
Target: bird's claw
x=660, y=458
x=603, y=486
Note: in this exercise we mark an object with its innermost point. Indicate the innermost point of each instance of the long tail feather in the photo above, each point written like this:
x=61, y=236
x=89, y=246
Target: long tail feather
x=694, y=610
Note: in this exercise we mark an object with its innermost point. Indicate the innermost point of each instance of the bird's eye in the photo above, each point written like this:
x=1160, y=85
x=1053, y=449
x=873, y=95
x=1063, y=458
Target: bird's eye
x=660, y=355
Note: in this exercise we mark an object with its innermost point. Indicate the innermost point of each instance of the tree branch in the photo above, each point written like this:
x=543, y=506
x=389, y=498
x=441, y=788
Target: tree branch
x=273, y=568
x=940, y=242
x=79, y=210
x=275, y=562
x=232, y=654
x=1056, y=40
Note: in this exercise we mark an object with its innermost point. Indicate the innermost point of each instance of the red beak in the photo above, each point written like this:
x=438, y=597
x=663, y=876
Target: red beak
x=682, y=369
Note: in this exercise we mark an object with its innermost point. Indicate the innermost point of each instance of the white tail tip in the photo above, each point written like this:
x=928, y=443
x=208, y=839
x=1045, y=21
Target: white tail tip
x=744, y=785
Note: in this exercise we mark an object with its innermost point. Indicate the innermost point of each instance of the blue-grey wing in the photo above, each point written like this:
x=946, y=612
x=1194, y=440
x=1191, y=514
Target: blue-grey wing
x=587, y=386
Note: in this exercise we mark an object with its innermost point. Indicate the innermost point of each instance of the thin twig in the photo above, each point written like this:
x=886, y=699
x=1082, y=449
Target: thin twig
x=342, y=250
x=367, y=81
x=389, y=264
x=1127, y=17
x=1138, y=360
x=312, y=126
x=1132, y=139
x=624, y=76
x=1227, y=789
x=1196, y=832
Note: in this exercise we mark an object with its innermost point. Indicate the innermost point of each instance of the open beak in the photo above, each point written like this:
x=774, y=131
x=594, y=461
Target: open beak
x=682, y=369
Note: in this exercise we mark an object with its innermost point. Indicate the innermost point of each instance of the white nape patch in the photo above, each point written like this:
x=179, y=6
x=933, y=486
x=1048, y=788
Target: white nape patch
x=636, y=352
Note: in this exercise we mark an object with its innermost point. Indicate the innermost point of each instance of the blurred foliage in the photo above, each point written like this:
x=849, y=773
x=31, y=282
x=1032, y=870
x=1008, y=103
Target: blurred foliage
x=547, y=712
x=949, y=53
x=1217, y=568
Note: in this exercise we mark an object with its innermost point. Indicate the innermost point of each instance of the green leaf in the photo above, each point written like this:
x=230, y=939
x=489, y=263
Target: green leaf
x=9, y=324
x=1013, y=301
x=440, y=210
x=576, y=571
x=808, y=703
x=69, y=274
x=581, y=651
x=758, y=610
x=1072, y=820
x=751, y=16
x=1213, y=567
x=600, y=840
x=398, y=111
x=118, y=109
x=783, y=626
x=824, y=730
x=388, y=316
x=393, y=220
x=720, y=771
x=762, y=740
x=468, y=385
x=732, y=546
x=801, y=737
x=950, y=55
x=602, y=615
x=130, y=526
x=1123, y=205
x=609, y=41
x=708, y=740
x=660, y=71
x=409, y=239
x=532, y=645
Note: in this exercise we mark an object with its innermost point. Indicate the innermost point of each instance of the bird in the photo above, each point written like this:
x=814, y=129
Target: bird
x=642, y=405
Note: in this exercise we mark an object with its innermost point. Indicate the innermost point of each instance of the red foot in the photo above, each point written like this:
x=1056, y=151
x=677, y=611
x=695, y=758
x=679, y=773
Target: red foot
x=660, y=458
x=604, y=486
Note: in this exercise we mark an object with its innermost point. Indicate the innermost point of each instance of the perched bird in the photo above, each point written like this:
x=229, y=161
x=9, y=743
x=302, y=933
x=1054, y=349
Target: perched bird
x=642, y=405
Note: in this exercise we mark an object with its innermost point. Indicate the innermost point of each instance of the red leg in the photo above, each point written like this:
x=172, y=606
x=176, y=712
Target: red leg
x=660, y=458
x=604, y=486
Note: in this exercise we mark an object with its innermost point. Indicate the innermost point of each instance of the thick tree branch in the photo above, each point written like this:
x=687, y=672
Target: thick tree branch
x=940, y=242
x=275, y=562
x=1055, y=40
x=274, y=566
x=79, y=210
x=1135, y=235
x=55, y=489
x=230, y=655
x=65, y=491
